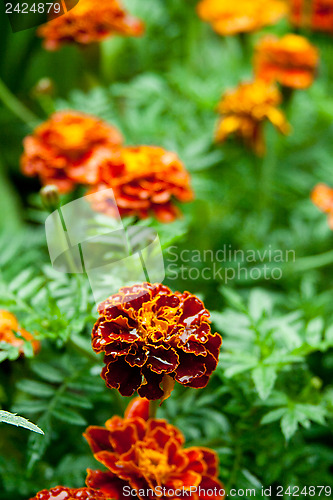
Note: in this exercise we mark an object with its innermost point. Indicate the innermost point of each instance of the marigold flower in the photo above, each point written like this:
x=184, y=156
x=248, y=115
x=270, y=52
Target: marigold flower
x=246, y=108
x=144, y=454
x=151, y=336
x=314, y=14
x=291, y=60
x=144, y=179
x=62, y=493
x=322, y=197
x=90, y=21
x=11, y=333
x=229, y=18
x=67, y=149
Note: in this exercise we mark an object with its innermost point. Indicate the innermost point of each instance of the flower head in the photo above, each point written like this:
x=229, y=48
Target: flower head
x=67, y=149
x=322, y=197
x=62, y=493
x=229, y=18
x=11, y=333
x=90, y=21
x=145, y=180
x=314, y=14
x=246, y=108
x=291, y=60
x=148, y=454
x=152, y=337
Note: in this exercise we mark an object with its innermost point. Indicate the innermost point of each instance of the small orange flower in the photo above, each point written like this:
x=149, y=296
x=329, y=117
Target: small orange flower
x=145, y=180
x=322, y=197
x=152, y=337
x=246, y=108
x=67, y=149
x=147, y=455
x=90, y=21
x=62, y=493
x=229, y=18
x=291, y=60
x=11, y=333
x=314, y=14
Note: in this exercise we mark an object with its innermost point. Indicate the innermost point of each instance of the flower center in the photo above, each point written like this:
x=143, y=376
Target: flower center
x=154, y=465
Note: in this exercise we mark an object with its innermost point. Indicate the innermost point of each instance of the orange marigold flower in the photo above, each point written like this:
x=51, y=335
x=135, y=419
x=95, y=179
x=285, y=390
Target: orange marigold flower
x=150, y=337
x=291, y=60
x=67, y=149
x=11, y=333
x=314, y=14
x=144, y=179
x=90, y=21
x=322, y=197
x=246, y=108
x=229, y=18
x=144, y=454
x=62, y=493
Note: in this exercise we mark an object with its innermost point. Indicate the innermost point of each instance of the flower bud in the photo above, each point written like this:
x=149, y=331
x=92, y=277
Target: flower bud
x=50, y=197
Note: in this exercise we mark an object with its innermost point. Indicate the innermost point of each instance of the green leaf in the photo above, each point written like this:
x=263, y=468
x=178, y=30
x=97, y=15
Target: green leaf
x=273, y=415
x=47, y=372
x=13, y=419
x=69, y=416
x=314, y=330
x=264, y=378
x=289, y=424
x=35, y=388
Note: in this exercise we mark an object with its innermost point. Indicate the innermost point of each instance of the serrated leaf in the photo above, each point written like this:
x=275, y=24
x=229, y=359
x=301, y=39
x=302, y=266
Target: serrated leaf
x=13, y=419
x=264, y=378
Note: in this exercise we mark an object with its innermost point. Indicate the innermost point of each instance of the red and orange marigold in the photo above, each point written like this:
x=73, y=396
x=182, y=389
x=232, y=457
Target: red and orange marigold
x=11, y=333
x=244, y=111
x=148, y=454
x=63, y=493
x=322, y=197
x=291, y=60
x=312, y=14
x=67, y=149
x=229, y=18
x=90, y=21
x=152, y=337
x=145, y=180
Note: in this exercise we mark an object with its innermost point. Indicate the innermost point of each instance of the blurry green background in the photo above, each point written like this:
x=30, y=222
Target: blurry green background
x=277, y=356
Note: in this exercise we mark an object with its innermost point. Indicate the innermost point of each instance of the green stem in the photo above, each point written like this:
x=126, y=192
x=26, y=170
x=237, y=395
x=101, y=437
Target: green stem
x=110, y=52
x=16, y=107
x=153, y=405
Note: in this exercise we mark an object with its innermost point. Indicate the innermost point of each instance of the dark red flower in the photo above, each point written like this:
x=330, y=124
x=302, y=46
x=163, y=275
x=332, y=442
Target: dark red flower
x=151, y=336
x=63, y=493
x=147, y=455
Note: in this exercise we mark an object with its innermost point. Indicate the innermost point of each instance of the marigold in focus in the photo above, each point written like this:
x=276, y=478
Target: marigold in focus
x=312, y=14
x=322, y=197
x=291, y=60
x=11, y=333
x=145, y=180
x=62, y=493
x=144, y=454
x=90, y=21
x=67, y=149
x=244, y=111
x=152, y=337
x=229, y=18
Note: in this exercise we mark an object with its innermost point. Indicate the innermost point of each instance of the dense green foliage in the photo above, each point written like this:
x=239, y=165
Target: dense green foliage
x=268, y=408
